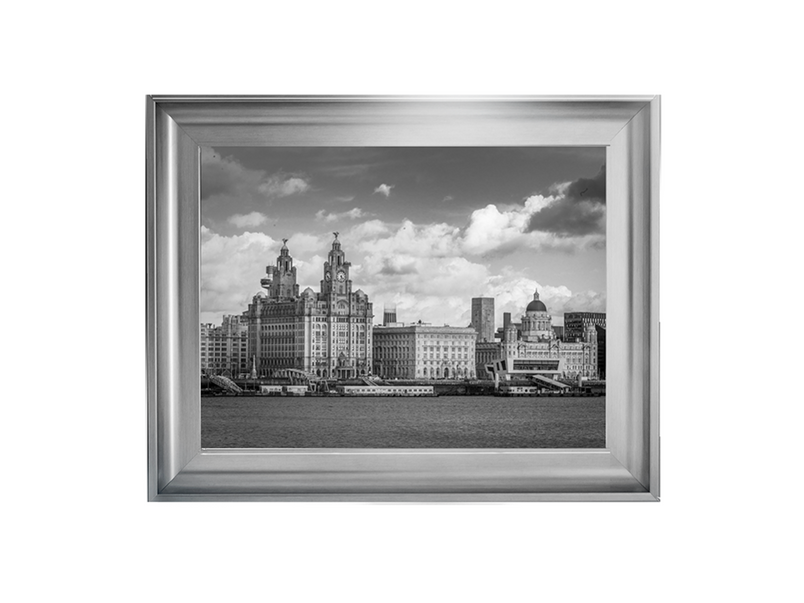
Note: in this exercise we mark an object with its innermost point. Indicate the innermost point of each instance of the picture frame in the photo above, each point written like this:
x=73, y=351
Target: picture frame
x=180, y=470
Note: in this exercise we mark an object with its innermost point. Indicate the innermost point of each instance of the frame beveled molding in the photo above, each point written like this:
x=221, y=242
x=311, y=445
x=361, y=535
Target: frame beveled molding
x=178, y=468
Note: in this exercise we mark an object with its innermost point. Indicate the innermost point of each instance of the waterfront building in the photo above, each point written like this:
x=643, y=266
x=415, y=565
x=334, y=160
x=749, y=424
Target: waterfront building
x=601, y=352
x=530, y=348
x=575, y=323
x=224, y=348
x=486, y=353
x=423, y=351
x=325, y=334
x=483, y=318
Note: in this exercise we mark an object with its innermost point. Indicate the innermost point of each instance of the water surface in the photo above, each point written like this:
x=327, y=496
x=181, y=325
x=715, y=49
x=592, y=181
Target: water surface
x=442, y=422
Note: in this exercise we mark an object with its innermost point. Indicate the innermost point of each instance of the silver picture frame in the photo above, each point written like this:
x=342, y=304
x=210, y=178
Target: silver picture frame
x=180, y=470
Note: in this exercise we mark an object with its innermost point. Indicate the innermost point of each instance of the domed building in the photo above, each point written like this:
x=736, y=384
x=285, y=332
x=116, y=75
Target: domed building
x=531, y=350
x=325, y=333
x=537, y=325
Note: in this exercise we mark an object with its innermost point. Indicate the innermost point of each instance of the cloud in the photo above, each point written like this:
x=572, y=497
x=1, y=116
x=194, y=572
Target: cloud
x=225, y=182
x=495, y=231
x=570, y=218
x=422, y=268
x=352, y=214
x=282, y=185
x=384, y=189
x=589, y=189
x=579, y=208
x=252, y=220
x=231, y=269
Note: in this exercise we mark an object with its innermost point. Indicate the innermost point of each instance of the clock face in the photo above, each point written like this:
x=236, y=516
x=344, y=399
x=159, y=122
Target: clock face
x=341, y=276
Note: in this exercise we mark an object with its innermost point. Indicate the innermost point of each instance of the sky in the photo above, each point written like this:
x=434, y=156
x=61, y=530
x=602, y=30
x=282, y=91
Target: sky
x=426, y=229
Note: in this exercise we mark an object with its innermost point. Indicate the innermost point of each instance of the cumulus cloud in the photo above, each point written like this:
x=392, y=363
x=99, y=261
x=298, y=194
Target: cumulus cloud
x=579, y=209
x=352, y=214
x=231, y=269
x=425, y=271
x=495, y=231
x=384, y=189
x=422, y=268
x=282, y=185
x=571, y=217
x=251, y=220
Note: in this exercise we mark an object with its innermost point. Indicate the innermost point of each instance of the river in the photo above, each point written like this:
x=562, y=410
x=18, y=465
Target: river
x=441, y=422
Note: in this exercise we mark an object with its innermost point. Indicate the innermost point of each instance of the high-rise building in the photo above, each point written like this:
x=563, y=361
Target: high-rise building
x=422, y=351
x=388, y=315
x=224, y=347
x=483, y=318
x=325, y=333
x=601, y=352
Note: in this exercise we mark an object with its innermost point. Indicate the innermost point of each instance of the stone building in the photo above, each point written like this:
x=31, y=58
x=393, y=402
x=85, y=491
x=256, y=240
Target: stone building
x=531, y=348
x=224, y=348
x=575, y=325
x=422, y=351
x=325, y=333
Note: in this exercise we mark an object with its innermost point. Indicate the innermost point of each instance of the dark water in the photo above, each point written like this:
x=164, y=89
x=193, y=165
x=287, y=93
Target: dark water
x=442, y=422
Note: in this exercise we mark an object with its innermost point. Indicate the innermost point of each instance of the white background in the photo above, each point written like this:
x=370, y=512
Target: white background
x=76, y=522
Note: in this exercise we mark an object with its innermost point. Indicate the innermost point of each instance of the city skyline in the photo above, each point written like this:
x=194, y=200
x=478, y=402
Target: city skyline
x=426, y=229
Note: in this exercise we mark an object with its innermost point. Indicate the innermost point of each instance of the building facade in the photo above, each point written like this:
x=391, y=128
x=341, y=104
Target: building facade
x=483, y=318
x=224, y=348
x=575, y=323
x=325, y=334
x=601, y=352
x=486, y=353
x=421, y=351
x=530, y=348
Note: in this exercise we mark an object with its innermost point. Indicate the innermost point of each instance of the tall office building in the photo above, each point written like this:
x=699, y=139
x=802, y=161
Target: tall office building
x=483, y=318
x=388, y=315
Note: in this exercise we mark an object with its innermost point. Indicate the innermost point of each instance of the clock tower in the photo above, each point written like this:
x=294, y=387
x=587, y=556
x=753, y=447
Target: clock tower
x=336, y=271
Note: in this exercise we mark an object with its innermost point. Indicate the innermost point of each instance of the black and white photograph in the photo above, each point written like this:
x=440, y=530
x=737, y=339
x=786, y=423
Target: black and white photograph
x=414, y=302
x=403, y=297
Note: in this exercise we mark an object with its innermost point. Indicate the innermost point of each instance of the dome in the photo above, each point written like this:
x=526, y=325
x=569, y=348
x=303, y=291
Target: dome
x=536, y=306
